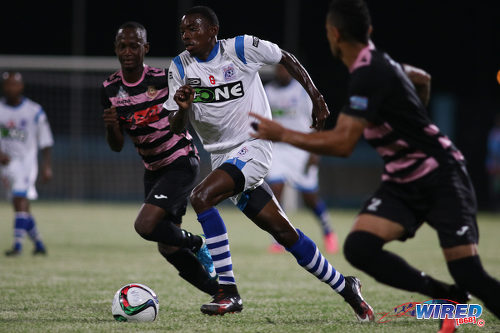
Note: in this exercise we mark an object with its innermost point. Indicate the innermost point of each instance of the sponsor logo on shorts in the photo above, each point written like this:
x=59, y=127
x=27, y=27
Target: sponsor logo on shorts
x=160, y=196
x=462, y=230
x=358, y=103
x=243, y=151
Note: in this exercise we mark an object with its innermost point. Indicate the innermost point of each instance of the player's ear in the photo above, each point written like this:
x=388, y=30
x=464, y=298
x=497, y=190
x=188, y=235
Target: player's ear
x=370, y=30
x=146, y=48
x=214, y=30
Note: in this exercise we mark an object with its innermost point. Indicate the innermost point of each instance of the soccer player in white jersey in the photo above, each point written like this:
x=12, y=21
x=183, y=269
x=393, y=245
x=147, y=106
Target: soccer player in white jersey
x=216, y=83
x=292, y=107
x=24, y=129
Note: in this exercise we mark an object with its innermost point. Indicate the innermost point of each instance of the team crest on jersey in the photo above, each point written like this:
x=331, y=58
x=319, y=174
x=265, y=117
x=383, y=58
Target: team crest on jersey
x=152, y=92
x=229, y=72
x=243, y=151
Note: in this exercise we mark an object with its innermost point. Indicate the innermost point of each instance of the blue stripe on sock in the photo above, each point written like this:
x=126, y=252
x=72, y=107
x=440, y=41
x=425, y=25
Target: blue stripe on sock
x=221, y=256
x=212, y=223
x=339, y=282
x=223, y=269
x=325, y=269
x=316, y=265
x=226, y=278
x=303, y=250
x=218, y=244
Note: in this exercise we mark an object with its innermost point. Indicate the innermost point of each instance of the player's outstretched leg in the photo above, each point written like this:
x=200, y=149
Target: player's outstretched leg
x=263, y=209
x=364, y=251
x=227, y=298
x=308, y=256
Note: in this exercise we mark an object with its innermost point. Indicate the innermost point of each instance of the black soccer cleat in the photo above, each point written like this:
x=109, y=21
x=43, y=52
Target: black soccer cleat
x=226, y=300
x=13, y=253
x=352, y=295
x=40, y=252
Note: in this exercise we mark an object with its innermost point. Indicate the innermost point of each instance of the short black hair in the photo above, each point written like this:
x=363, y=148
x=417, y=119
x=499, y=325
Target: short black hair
x=206, y=12
x=352, y=18
x=134, y=25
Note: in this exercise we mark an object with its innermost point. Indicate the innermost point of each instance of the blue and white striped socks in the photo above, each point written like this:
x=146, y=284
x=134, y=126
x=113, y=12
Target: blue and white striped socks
x=309, y=257
x=218, y=244
x=25, y=223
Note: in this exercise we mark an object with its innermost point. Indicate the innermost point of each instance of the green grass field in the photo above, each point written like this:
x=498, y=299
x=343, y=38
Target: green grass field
x=93, y=250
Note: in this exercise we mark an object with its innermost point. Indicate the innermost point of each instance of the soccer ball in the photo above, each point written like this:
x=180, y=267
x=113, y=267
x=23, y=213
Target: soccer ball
x=135, y=302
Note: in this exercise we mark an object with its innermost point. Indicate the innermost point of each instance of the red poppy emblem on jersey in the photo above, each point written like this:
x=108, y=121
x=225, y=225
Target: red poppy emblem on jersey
x=152, y=92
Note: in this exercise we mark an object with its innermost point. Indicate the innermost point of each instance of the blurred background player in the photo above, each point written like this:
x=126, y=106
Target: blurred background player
x=216, y=83
x=292, y=107
x=24, y=129
x=493, y=163
x=133, y=98
x=424, y=177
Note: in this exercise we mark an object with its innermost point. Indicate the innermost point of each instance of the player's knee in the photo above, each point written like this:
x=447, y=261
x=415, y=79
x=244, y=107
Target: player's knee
x=360, y=247
x=166, y=250
x=200, y=199
x=144, y=226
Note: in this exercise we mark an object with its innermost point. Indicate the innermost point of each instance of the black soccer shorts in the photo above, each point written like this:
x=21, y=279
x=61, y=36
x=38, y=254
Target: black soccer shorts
x=170, y=187
x=445, y=199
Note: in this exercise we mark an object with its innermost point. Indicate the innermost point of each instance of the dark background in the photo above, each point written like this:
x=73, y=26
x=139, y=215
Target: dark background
x=458, y=42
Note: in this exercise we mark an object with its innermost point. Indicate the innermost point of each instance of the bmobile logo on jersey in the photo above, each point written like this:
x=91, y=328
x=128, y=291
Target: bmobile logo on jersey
x=225, y=92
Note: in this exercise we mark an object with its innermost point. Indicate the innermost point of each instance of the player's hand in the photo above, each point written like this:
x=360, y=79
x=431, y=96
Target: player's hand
x=184, y=97
x=266, y=129
x=4, y=159
x=320, y=112
x=46, y=174
x=110, y=117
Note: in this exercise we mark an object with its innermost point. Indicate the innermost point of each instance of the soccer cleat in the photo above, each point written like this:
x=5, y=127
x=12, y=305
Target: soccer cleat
x=331, y=243
x=352, y=295
x=204, y=257
x=41, y=251
x=226, y=300
x=275, y=248
x=13, y=253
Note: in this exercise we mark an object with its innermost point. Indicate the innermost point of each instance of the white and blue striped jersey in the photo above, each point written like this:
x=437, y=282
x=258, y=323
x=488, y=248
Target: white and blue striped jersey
x=227, y=86
x=23, y=130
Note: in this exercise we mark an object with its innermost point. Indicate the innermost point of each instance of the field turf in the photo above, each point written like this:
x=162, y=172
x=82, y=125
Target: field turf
x=93, y=250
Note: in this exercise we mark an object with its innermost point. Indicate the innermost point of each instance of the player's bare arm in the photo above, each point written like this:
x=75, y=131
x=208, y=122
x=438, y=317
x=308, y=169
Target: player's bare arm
x=114, y=132
x=178, y=119
x=4, y=158
x=421, y=80
x=337, y=142
x=320, y=110
x=46, y=166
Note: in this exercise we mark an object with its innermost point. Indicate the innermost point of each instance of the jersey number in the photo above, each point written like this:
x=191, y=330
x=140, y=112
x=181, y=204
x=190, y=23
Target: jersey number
x=373, y=206
x=212, y=79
